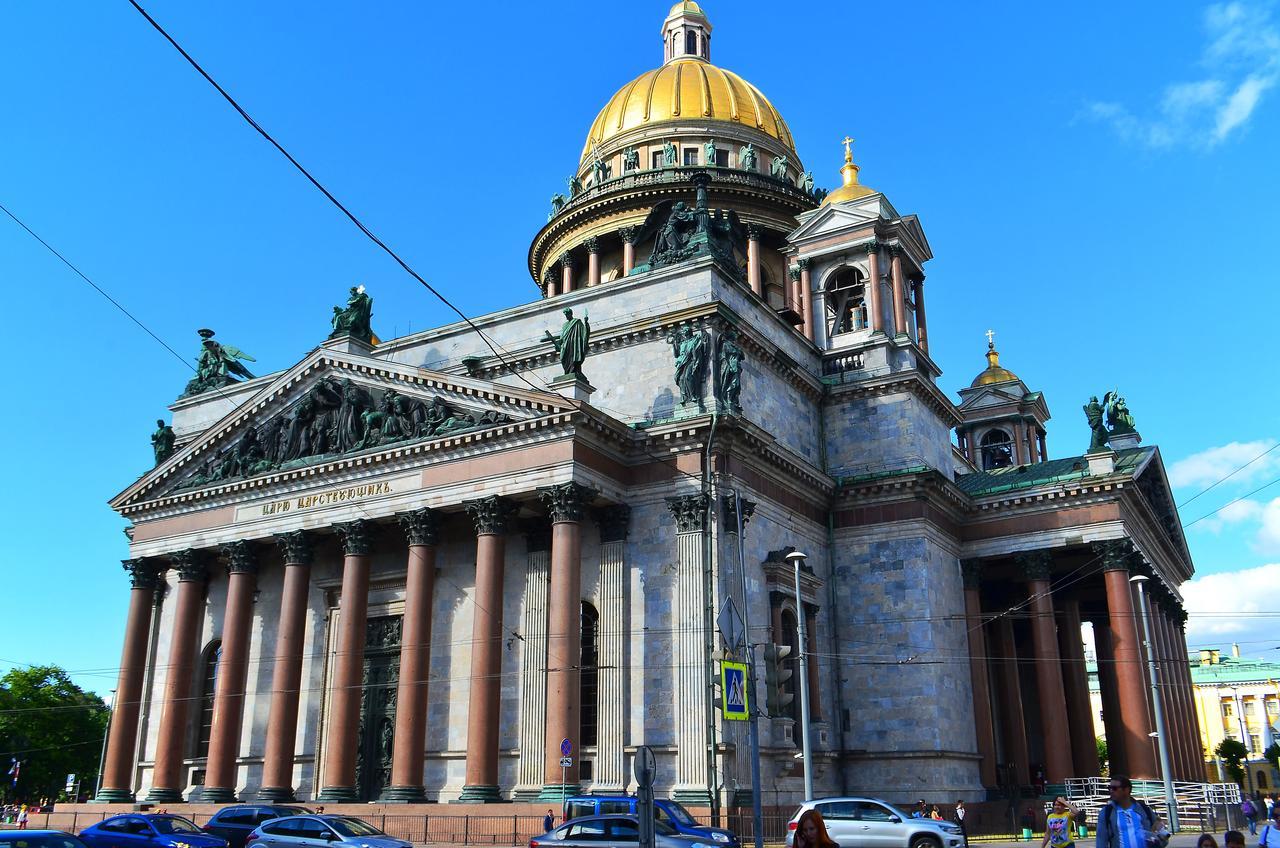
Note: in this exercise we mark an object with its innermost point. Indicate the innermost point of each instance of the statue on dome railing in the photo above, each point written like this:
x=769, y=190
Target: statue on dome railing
x=670, y=158
x=558, y=201
x=778, y=168
x=600, y=169
x=806, y=182
x=709, y=153
x=575, y=186
x=747, y=158
x=630, y=160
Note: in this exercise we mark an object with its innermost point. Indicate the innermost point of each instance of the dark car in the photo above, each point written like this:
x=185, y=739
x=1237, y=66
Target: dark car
x=617, y=831
x=38, y=839
x=314, y=831
x=668, y=812
x=148, y=830
x=235, y=823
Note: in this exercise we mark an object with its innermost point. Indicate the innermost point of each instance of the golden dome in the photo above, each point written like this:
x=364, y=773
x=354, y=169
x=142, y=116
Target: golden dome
x=994, y=373
x=684, y=89
x=686, y=7
x=851, y=189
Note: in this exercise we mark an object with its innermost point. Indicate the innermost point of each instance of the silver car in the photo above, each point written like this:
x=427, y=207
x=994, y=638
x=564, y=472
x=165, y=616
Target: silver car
x=320, y=831
x=872, y=823
x=616, y=831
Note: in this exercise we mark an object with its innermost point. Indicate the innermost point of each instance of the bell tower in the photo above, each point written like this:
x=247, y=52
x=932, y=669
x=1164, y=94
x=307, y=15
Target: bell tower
x=686, y=33
x=1003, y=421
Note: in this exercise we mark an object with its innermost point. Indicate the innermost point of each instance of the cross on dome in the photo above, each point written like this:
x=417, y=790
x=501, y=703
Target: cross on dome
x=991, y=338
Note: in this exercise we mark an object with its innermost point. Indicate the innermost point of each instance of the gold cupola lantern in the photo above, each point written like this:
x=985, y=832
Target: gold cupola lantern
x=851, y=188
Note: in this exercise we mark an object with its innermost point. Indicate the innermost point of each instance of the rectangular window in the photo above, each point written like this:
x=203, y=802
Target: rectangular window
x=656, y=160
x=722, y=157
x=1255, y=743
x=1228, y=709
x=1273, y=707
x=691, y=155
x=1249, y=711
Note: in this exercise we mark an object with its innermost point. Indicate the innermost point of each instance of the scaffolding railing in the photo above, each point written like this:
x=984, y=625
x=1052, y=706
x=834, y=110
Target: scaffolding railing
x=1201, y=806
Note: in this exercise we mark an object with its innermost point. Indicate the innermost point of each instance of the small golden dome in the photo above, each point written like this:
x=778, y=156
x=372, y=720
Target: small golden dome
x=994, y=373
x=686, y=7
x=851, y=189
x=684, y=89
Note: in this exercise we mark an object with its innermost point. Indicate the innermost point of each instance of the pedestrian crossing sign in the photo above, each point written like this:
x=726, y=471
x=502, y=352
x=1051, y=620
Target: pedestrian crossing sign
x=733, y=686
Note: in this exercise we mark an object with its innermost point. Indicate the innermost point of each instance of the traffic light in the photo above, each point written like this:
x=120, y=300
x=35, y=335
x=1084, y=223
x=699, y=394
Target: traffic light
x=776, y=675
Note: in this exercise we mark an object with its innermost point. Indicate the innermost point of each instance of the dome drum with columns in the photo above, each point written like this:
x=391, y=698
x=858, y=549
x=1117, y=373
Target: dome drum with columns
x=645, y=145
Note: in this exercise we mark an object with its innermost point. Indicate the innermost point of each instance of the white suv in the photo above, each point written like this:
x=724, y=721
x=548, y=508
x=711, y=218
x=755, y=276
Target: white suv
x=871, y=823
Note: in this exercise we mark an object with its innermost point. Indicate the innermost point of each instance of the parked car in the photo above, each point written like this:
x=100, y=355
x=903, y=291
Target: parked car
x=312, y=831
x=148, y=830
x=614, y=831
x=235, y=823
x=38, y=839
x=872, y=823
x=670, y=813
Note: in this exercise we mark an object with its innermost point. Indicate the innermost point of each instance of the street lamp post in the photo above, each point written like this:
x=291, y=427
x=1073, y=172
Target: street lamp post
x=797, y=559
x=1162, y=735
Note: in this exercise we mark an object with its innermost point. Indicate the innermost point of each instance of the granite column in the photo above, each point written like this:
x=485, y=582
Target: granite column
x=1127, y=652
x=978, y=675
x=1054, y=728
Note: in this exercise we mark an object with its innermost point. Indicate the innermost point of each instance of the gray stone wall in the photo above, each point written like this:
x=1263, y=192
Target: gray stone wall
x=882, y=433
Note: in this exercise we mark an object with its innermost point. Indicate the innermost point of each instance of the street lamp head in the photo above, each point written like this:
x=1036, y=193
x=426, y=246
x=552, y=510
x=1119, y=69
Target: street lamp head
x=796, y=557
x=1139, y=579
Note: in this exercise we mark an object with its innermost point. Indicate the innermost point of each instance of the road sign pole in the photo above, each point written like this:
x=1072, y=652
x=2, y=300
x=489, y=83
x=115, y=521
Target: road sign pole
x=645, y=767
x=796, y=559
x=757, y=809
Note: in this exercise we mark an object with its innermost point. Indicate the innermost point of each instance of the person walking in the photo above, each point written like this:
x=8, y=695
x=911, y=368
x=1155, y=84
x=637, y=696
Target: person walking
x=811, y=832
x=22, y=817
x=549, y=821
x=1126, y=822
x=1249, y=810
x=958, y=818
x=1270, y=837
x=1059, y=826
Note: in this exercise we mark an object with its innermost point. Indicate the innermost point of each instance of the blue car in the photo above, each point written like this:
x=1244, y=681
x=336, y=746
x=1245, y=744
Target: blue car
x=149, y=830
x=667, y=812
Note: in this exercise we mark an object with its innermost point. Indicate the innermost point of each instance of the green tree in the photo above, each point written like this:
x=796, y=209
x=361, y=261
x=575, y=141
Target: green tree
x=1104, y=758
x=1272, y=755
x=50, y=725
x=1233, y=753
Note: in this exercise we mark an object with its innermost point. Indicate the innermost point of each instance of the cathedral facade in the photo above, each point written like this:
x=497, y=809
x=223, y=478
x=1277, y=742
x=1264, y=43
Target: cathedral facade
x=425, y=569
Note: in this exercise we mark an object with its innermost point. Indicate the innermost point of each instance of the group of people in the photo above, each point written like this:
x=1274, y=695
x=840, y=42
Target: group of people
x=1258, y=808
x=18, y=814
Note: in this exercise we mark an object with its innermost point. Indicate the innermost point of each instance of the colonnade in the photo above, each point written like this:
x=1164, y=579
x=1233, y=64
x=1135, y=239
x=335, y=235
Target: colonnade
x=336, y=774
x=1065, y=719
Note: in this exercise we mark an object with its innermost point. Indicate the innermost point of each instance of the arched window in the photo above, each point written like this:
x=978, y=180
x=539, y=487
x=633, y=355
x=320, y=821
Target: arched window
x=791, y=638
x=997, y=450
x=588, y=676
x=1262, y=780
x=846, y=302
x=209, y=663
x=690, y=42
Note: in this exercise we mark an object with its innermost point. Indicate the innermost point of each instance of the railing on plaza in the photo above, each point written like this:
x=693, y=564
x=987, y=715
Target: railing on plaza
x=1201, y=806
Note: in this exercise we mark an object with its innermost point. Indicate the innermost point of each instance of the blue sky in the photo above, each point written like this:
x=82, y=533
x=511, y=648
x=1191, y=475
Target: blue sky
x=1094, y=180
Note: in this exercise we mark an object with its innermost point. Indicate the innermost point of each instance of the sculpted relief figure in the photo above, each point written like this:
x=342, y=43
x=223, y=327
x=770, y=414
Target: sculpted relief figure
x=571, y=343
x=730, y=366
x=354, y=319
x=674, y=234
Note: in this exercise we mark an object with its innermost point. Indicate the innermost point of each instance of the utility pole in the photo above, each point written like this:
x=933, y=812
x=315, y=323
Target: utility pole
x=1162, y=735
x=102, y=756
x=797, y=559
x=757, y=810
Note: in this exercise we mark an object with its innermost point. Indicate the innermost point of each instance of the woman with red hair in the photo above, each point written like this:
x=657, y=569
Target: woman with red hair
x=811, y=832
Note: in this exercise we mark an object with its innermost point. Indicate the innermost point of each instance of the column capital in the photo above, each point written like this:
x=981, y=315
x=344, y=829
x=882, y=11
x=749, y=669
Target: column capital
x=971, y=571
x=241, y=558
x=803, y=264
x=1114, y=554
x=421, y=526
x=794, y=273
x=296, y=547
x=190, y=565
x=566, y=260
x=753, y=232
x=567, y=501
x=730, y=515
x=628, y=234
x=870, y=246
x=491, y=515
x=690, y=512
x=143, y=573
x=615, y=522
x=1036, y=565
x=548, y=277
x=355, y=537
x=895, y=250
x=1179, y=615
x=592, y=245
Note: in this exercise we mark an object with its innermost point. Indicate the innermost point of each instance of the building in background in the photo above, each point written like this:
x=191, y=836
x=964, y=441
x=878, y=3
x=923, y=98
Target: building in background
x=1237, y=698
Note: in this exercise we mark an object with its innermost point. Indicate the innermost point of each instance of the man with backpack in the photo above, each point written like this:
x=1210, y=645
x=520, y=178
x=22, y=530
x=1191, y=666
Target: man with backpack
x=1249, y=810
x=1126, y=822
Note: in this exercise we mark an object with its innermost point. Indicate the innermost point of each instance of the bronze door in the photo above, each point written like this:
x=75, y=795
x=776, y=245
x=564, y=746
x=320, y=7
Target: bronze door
x=378, y=706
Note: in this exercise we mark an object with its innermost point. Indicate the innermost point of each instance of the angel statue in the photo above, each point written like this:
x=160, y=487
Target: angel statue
x=1119, y=418
x=1093, y=414
x=354, y=320
x=216, y=364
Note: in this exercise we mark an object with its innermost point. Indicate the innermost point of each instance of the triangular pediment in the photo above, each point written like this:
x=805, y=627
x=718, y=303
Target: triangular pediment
x=332, y=406
x=993, y=395
x=836, y=218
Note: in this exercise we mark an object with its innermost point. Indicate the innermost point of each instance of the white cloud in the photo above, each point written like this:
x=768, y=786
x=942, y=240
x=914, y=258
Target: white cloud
x=1209, y=466
x=1268, y=541
x=1242, y=63
x=1235, y=512
x=1219, y=606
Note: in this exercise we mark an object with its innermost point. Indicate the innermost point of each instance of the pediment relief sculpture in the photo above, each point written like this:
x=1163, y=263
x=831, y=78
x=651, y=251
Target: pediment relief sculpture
x=333, y=418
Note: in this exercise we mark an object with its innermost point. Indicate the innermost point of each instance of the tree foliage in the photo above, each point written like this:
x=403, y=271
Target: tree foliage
x=1233, y=753
x=50, y=725
x=1104, y=757
x=1272, y=755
